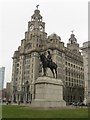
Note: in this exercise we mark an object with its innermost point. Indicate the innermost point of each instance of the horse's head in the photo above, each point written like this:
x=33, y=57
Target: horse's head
x=43, y=58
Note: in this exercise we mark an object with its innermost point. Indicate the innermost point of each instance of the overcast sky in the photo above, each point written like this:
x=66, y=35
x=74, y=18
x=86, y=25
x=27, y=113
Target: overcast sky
x=60, y=16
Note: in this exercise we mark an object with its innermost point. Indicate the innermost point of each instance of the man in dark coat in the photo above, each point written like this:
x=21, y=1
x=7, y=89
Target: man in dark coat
x=49, y=56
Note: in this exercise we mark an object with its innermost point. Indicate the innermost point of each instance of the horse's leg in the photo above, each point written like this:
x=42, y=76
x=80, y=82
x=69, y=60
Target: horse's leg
x=52, y=72
x=56, y=72
x=44, y=71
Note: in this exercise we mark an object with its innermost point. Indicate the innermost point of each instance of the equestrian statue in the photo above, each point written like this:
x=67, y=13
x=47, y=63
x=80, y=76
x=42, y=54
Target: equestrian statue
x=48, y=63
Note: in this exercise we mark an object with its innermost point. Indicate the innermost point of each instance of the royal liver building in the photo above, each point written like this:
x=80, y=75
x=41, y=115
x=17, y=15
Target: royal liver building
x=27, y=66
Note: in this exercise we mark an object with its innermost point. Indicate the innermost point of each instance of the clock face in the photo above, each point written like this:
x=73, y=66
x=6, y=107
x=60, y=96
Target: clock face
x=41, y=28
x=31, y=27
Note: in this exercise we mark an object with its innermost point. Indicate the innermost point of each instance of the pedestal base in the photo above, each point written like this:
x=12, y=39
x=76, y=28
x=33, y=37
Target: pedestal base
x=48, y=93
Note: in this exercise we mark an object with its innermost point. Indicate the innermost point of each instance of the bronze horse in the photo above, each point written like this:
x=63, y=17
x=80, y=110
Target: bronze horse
x=48, y=64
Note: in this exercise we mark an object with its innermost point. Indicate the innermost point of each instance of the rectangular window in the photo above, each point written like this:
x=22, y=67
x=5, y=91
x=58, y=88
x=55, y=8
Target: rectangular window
x=68, y=64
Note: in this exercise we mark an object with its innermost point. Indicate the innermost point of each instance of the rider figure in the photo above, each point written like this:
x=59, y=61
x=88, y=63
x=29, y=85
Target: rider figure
x=49, y=57
x=44, y=55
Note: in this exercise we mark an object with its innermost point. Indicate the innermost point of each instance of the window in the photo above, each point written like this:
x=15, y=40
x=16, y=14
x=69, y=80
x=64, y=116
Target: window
x=66, y=78
x=37, y=45
x=68, y=64
x=18, y=65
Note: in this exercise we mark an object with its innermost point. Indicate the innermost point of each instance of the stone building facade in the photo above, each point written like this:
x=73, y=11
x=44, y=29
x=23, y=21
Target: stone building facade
x=27, y=66
x=2, y=76
x=8, y=91
x=86, y=58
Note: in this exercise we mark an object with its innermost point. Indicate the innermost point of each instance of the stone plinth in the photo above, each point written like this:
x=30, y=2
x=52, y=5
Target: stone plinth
x=48, y=93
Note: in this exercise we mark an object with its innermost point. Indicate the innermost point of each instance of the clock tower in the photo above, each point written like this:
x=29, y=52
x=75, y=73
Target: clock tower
x=36, y=22
x=36, y=31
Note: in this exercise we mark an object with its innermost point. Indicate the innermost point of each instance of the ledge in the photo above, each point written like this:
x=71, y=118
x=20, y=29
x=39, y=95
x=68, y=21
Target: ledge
x=48, y=80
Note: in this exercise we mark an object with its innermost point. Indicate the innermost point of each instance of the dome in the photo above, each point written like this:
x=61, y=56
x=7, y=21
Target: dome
x=54, y=36
x=36, y=15
x=72, y=39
